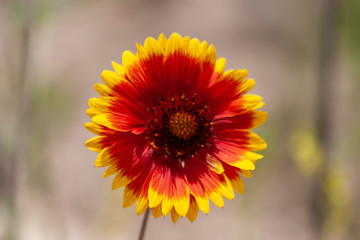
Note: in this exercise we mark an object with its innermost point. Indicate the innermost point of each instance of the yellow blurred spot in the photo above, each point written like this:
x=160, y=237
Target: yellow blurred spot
x=306, y=151
x=339, y=197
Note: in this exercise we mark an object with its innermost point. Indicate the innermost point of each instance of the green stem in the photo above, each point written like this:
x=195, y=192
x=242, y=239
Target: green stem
x=143, y=224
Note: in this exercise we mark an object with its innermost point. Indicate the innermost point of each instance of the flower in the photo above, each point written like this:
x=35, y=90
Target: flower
x=175, y=128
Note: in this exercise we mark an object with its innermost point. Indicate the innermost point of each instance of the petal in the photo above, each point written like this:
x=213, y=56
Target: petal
x=182, y=71
x=225, y=188
x=141, y=205
x=203, y=51
x=203, y=203
x=214, y=164
x=98, y=129
x=205, y=183
x=241, y=105
x=183, y=75
x=103, y=90
x=253, y=156
x=100, y=104
x=96, y=144
x=211, y=54
x=219, y=96
x=181, y=205
x=110, y=171
x=154, y=198
x=234, y=155
x=217, y=199
x=120, y=122
x=169, y=182
x=226, y=90
x=120, y=180
x=130, y=93
x=246, y=173
x=174, y=43
x=111, y=79
x=152, y=47
x=130, y=196
x=146, y=76
x=245, y=164
x=128, y=59
x=193, y=210
x=174, y=216
x=138, y=189
x=248, y=120
x=220, y=65
x=119, y=114
x=244, y=139
x=103, y=159
x=119, y=69
x=157, y=212
x=238, y=185
x=252, y=102
x=218, y=71
x=129, y=155
x=238, y=75
x=255, y=142
x=246, y=86
x=167, y=205
x=234, y=147
x=185, y=68
x=162, y=41
x=235, y=179
x=194, y=47
x=91, y=112
x=194, y=174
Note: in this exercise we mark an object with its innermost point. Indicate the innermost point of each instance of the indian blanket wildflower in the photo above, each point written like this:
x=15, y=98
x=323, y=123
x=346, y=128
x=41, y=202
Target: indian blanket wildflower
x=175, y=128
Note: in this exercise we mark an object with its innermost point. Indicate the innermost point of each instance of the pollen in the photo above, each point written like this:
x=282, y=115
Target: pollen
x=183, y=125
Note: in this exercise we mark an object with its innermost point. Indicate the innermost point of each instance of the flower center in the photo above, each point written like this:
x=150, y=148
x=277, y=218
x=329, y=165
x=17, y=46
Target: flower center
x=183, y=125
x=178, y=127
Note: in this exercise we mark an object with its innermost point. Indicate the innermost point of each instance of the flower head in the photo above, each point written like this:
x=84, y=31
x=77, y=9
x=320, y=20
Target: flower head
x=175, y=128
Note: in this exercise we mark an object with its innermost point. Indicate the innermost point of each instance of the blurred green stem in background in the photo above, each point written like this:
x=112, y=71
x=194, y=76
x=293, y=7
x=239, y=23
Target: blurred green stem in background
x=17, y=153
x=328, y=43
x=324, y=191
x=350, y=25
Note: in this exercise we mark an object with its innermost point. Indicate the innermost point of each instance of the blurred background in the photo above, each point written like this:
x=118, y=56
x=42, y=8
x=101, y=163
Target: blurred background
x=304, y=55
